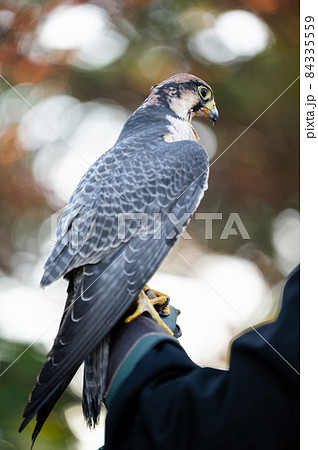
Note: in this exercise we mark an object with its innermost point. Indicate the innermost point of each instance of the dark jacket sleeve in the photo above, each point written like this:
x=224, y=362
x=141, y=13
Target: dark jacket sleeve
x=168, y=402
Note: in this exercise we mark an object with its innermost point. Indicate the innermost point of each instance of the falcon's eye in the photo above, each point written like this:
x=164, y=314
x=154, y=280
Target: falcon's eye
x=205, y=93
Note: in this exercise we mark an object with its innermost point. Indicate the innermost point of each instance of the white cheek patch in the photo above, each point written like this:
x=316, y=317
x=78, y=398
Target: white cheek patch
x=180, y=130
x=181, y=105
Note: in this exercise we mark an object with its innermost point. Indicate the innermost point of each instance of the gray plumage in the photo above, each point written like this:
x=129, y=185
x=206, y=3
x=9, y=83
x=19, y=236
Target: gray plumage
x=142, y=173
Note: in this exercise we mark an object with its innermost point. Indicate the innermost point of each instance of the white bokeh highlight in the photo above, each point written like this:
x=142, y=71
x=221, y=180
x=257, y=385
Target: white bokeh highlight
x=285, y=239
x=87, y=31
x=232, y=36
x=228, y=294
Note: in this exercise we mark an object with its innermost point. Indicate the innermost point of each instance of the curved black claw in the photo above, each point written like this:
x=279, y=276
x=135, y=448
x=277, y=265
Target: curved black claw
x=161, y=309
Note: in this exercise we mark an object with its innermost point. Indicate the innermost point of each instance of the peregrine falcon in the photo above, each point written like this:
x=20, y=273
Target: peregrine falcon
x=156, y=171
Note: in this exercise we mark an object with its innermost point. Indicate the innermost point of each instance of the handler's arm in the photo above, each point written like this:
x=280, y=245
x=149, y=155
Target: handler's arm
x=168, y=402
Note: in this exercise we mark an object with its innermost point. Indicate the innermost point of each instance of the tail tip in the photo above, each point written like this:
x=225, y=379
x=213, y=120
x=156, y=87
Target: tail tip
x=45, y=280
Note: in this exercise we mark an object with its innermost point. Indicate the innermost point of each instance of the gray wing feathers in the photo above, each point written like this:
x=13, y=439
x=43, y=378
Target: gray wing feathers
x=172, y=182
x=147, y=182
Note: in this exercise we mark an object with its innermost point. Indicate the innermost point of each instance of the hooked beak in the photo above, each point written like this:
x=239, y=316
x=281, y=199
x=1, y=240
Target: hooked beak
x=209, y=111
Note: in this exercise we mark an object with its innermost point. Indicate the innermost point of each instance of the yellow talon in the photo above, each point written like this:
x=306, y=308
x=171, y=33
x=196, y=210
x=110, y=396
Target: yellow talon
x=144, y=304
x=160, y=298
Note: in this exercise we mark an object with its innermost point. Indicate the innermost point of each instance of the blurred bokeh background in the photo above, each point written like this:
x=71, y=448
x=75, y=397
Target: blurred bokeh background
x=77, y=70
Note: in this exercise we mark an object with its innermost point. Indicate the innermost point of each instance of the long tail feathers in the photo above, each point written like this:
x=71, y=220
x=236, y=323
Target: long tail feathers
x=94, y=382
x=43, y=400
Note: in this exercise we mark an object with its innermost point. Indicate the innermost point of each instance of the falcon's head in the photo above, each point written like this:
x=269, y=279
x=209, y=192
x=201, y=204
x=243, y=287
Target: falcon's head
x=186, y=95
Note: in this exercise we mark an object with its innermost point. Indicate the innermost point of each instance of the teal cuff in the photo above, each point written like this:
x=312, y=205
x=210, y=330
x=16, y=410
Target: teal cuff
x=140, y=349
